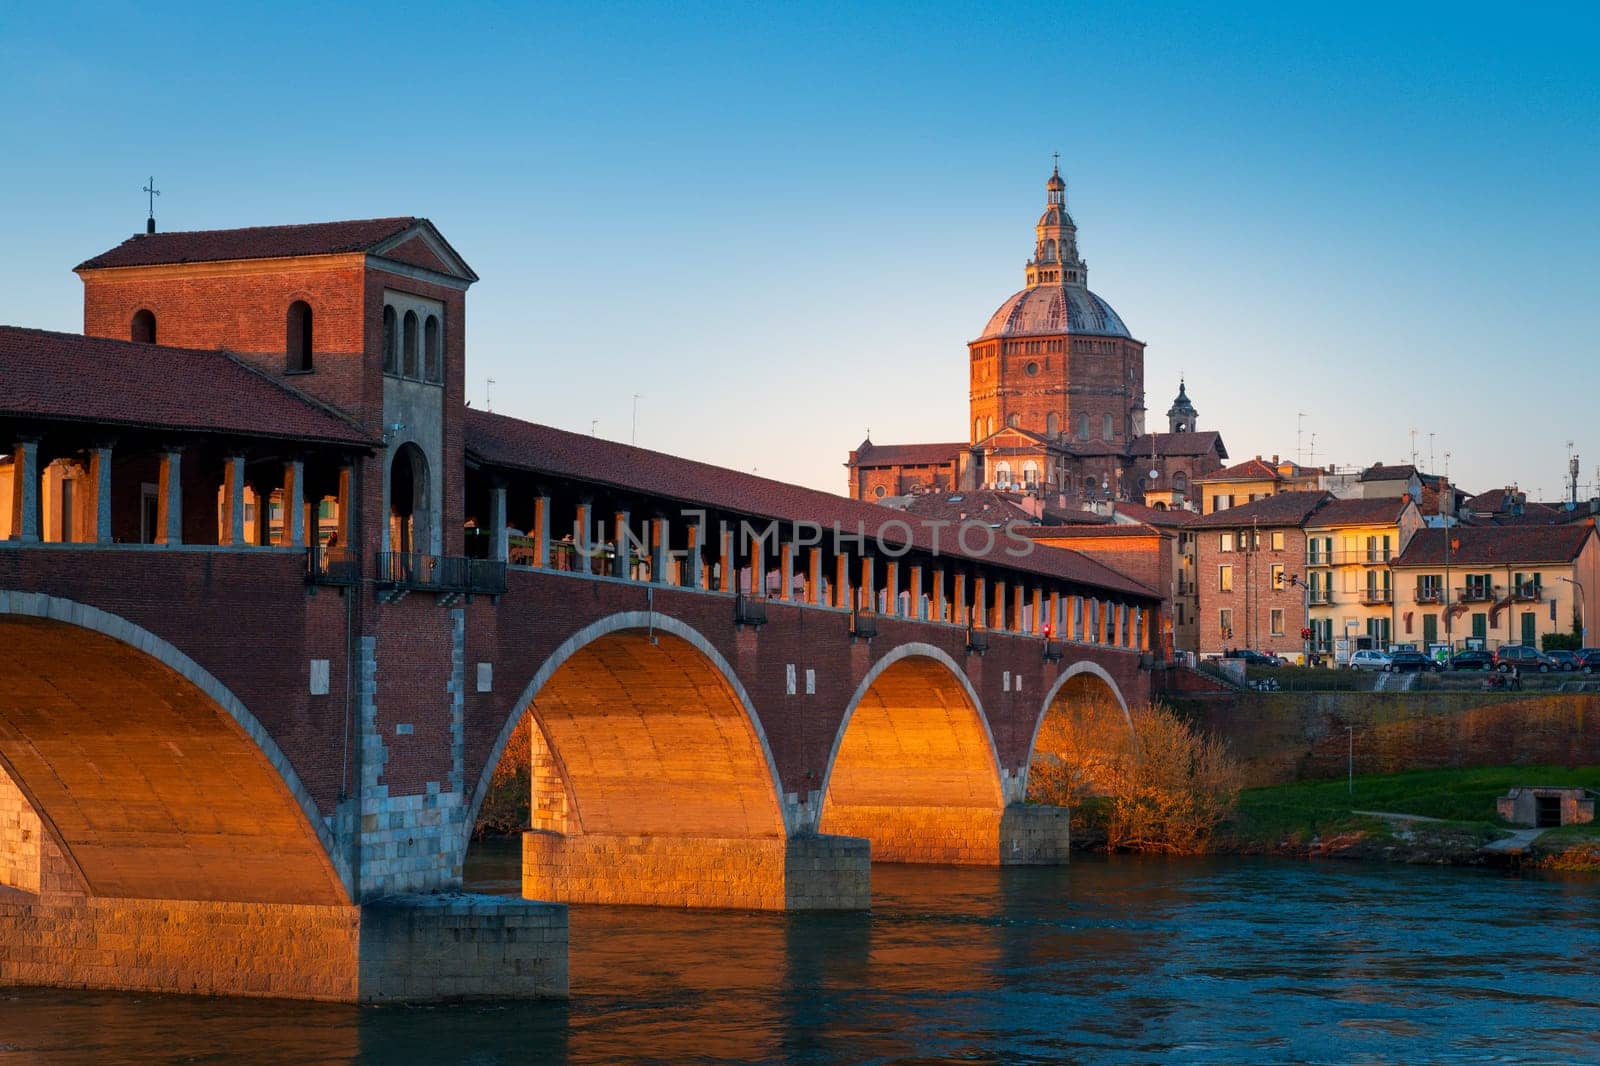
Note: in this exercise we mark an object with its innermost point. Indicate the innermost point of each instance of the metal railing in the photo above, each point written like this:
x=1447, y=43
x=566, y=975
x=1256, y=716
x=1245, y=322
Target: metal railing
x=1476, y=593
x=331, y=566
x=977, y=639
x=1372, y=595
x=750, y=610
x=863, y=623
x=1527, y=593
x=1430, y=594
x=441, y=573
x=1320, y=597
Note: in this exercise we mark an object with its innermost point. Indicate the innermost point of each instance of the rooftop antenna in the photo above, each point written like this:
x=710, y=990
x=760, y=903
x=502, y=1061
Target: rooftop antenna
x=1299, y=427
x=1430, y=453
x=488, y=402
x=1413, y=447
x=1311, y=453
x=150, y=223
x=1572, y=470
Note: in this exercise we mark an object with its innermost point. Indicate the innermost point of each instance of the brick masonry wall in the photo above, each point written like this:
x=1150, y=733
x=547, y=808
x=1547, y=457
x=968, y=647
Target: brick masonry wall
x=1253, y=598
x=806, y=872
x=1283, y=737
x=20, y=837
x=959, y=836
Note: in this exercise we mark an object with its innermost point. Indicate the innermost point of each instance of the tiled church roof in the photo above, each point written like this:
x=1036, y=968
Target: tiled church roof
x=253, y=242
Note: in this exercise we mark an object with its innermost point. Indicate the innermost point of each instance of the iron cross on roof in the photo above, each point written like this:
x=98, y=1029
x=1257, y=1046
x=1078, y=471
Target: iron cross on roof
x=150, y=223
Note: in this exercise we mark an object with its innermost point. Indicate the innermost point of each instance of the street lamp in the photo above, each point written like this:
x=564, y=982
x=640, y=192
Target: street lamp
x=1583, y=613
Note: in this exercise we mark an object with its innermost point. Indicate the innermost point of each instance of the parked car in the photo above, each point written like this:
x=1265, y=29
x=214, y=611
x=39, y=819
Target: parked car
x=1472, y=660
x=1588, y=659
x=1251, y=657
x=1564, y=660
x=1370, y=659
x=1522, y=657
x=1403, y=661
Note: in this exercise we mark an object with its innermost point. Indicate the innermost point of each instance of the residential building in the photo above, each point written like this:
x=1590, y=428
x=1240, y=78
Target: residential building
x=1245, y=557
x=1490, y=585
x=1349, y=586
x=1252, y=480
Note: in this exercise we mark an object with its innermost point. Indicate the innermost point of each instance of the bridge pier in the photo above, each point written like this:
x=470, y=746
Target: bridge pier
x=400, y=948
x=807, y=871
x=1017, y=834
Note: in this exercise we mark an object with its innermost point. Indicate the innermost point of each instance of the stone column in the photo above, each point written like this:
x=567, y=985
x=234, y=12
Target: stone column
x=233, y=501
x=622, y=538
x=697, y=559
x=980, y=602
x=100, y=475
x=786, y=570
x=1019, y=609
x=169, y=507
x=25, y=489
x=541, y=531
x=499, y=543
x=841, y=580
x=867, y=594
x=814, y=576
x=725, y=560
x=998, y=619
x=891, y=591
x=758, y=566
x=1039, y=622
x=294, y=502
x=919, y=610
x=938, y=594
x=1057, y=630
x=659, y=533
x=347, y=511
x=582, y=530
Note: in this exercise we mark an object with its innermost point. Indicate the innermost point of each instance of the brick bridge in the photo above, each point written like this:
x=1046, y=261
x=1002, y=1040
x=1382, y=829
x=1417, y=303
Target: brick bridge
x=273, y=601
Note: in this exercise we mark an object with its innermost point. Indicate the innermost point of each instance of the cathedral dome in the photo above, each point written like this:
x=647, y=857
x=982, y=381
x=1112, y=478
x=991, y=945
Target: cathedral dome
x=1055, y=309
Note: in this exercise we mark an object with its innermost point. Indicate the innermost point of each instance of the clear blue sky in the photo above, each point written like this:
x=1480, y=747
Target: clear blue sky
x=780, y=225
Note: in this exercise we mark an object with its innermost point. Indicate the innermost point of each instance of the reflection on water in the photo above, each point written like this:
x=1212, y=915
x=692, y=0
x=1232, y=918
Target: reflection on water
x=1219, y=961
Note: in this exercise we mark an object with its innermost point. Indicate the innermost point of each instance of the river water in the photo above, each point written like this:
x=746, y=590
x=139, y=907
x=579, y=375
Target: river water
x=1107, y=961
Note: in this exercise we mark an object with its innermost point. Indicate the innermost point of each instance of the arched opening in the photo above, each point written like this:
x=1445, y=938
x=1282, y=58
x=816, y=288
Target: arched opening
x=410, y=528
x=143, y=328
x=1013, y=420
x=1083, y=727
x=1083, y=427
x=147, y=778
x=297, y=343
x=1106, y=430
x=1180, y=481
x=977, y=429
x=1052, y=425
x=988, y=425
x=649, y=773
x=914, y=767
x=408, y=344
x=432, y=359
x=1030, y=474
x=1002, y=475
x=391, y=341
x=1049, y=250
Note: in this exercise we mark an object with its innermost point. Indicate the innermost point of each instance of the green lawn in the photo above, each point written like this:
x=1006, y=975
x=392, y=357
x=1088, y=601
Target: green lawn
x=1321, y=808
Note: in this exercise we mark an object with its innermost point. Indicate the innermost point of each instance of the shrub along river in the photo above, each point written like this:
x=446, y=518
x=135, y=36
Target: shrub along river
x=1127, y=960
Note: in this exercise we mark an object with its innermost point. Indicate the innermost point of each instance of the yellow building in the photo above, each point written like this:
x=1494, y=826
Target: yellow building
x=1350, y=547
x=1253, y=479
x=1494, y=585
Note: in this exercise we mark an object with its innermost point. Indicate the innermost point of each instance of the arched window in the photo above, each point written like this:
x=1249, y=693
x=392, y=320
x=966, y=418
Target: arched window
x=1030, y=474
x=977, y=429
x=1105, y=428
x=989, y=425
x=1180, y=481
x=1083, y=427
x=1052, y=425
x=408, y=344
x=1089, y=486
x=143, y=329
x=410, y=514
x=432, y=364
x=391, y=341
x=1050, y=251
x=1013, y=420
x=297, y=346
x=1002, y=475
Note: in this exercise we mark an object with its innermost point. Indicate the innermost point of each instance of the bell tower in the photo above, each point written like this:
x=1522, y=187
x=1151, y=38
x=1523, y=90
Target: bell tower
x=1055, y=253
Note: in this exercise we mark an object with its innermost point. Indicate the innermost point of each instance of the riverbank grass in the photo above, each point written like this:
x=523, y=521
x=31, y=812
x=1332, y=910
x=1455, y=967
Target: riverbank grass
x=1462, y=802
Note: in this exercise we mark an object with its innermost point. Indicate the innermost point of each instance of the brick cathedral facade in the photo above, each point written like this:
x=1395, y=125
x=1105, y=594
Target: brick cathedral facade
x=1056, y=400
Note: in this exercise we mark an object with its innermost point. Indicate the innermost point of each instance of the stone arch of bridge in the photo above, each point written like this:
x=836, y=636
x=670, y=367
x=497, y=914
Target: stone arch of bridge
x=152, y=779
x=914, y=767
x=645, y=730
x=1083, y=720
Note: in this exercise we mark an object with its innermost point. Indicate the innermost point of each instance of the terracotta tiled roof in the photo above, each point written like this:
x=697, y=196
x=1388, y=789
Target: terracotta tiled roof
x=1282, y=509
x=870, y=454
x=980, y=505
x=72, y=378
x=1496, y=545
x=498, y=440
x=1249, y=470
x=1086, y=532
x=1155, y=516
x=253, y=242
x=1382, y=510
x=1200, y=443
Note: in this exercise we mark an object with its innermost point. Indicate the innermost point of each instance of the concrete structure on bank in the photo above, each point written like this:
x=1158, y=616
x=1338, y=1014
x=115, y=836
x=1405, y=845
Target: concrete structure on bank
x=246, y=756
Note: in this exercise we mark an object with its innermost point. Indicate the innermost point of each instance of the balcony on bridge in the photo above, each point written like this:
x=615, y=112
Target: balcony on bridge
x=450, y=576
